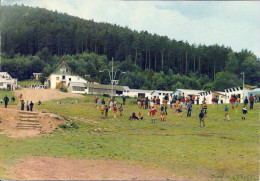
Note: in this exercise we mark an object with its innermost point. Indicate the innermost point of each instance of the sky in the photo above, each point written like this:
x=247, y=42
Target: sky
x=235, y=24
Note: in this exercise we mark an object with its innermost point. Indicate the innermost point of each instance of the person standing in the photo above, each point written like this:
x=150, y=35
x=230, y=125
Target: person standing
x=103, y=102
x=27, y=105
x=193, y=99
x=189, y=106
x=226, y=113
x=124, y=99
x=13, y=99
x=205, y=109
x=31, y=106
x=146, y=102
x=121, y=111
x=179, y=109
x=114, y=109
x=213, y=100
x=106, y=109
x=198, y=101
x=246, y=101
x=163, y=113
x=216, y=102
x=6, y=99
x=233, y=100
x=244, y=112
x=153, y=113
x=22, y=105
x=251, y=99
x=201, y=116
x=102, y=109
x=236, y=105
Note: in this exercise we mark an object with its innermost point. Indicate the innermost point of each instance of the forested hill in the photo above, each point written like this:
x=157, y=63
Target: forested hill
x=38, y=30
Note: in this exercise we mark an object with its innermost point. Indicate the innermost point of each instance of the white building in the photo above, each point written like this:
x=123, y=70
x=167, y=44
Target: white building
x=209, y=95
x=62, y=76
x=7, y=82
x=187, y=92
x=138, y=93
x=239, y=92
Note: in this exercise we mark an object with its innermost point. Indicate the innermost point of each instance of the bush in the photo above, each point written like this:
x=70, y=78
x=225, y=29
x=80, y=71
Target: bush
x=69, y=126
x=63, y=89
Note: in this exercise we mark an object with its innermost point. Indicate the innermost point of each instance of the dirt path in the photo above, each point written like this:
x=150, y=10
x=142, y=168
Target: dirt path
x=43, y=94
x=49, y=168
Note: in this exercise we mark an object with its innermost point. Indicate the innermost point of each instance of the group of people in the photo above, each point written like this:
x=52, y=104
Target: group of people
x=179, y=103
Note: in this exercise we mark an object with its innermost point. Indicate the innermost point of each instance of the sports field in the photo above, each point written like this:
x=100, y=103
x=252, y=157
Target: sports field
x=175, y=149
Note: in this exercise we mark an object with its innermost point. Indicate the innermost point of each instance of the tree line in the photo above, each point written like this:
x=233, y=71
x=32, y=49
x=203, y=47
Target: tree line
x=51, y=36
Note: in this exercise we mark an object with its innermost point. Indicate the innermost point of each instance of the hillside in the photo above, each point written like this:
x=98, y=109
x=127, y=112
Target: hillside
x=48, y=35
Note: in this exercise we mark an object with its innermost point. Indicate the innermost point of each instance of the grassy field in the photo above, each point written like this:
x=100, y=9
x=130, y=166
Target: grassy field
x=27, y=83
x=9, y=94
x=225, y=150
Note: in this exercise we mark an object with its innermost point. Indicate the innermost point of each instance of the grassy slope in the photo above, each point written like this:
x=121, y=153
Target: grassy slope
x=224, y=150
x=9, y=94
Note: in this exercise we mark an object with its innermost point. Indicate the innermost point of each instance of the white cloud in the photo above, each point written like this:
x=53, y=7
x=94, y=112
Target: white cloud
x=234, y=24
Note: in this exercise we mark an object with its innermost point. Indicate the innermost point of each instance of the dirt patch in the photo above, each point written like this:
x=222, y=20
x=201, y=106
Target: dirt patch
x=49, y=168
x=10, y=118
x=44, y=94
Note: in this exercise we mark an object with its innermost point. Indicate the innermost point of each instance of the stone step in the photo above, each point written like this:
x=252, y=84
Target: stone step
x=29, y=116
x=29, y=127
x=29, y=120
x=28, y=113
x=28, y=124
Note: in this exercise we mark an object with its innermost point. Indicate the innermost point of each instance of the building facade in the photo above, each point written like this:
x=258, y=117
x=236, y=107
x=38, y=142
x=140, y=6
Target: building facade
x=7, y=82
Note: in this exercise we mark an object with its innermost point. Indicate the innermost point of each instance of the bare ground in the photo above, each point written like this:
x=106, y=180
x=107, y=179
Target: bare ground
x=10, y=117
x=49, y=168
x=43, y=94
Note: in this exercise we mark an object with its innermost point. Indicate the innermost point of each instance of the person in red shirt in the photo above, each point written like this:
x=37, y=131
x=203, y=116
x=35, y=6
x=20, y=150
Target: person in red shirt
x=153, y=113
x=251, y=99
x=213, y=100
x=114, y=109
x=233, y=100
x=193, y=99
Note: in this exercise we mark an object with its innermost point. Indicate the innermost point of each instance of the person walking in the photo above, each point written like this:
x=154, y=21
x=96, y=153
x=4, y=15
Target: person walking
x=27, y=105
x=251, y=99
x=189, y=106
x=6, y=99
x=31, y=106
x=201, y=116
x=22, y=105
x=244, y=112
x=226, y=113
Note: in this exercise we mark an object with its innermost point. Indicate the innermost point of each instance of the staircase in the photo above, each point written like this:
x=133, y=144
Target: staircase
x=28, y=120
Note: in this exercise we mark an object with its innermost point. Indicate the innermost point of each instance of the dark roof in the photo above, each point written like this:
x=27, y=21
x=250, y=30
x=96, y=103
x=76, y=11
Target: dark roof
x=103, y=86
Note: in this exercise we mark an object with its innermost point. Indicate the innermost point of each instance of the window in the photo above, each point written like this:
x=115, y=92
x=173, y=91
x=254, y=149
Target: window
x=57, y=78
x=63, y=77
x=230, y=90
x=163, y=93
x=69, y=79
x=241, y=88
x=234, y=89
x=237, y=88
x=159, y=94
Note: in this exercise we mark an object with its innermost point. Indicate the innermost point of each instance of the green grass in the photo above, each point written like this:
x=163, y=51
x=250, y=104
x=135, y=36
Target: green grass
x=9, y=94
x=27, y=83
x=225, y=150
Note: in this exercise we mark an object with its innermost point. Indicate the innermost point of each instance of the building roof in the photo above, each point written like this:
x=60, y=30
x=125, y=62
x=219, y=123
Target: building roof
x=76, y=84
x=126, y=88
x=141, y=91
x=189, y=91
x=103, y=86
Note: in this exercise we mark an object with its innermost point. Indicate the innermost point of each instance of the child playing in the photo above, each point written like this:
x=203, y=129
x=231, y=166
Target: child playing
x=163, y=113
x=201, y=116
x=226, y=113
x=102, y=109
x=205, y=107
x=153, y=113
x=140, y=116
x=114, y=109
x=189, y=106
x=244, y=113
x=111, y=104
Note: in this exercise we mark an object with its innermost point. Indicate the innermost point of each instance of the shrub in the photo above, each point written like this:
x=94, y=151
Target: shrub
x=63, y=89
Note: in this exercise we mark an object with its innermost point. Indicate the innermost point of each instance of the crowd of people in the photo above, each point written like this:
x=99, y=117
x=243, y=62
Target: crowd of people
x=179, y=104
